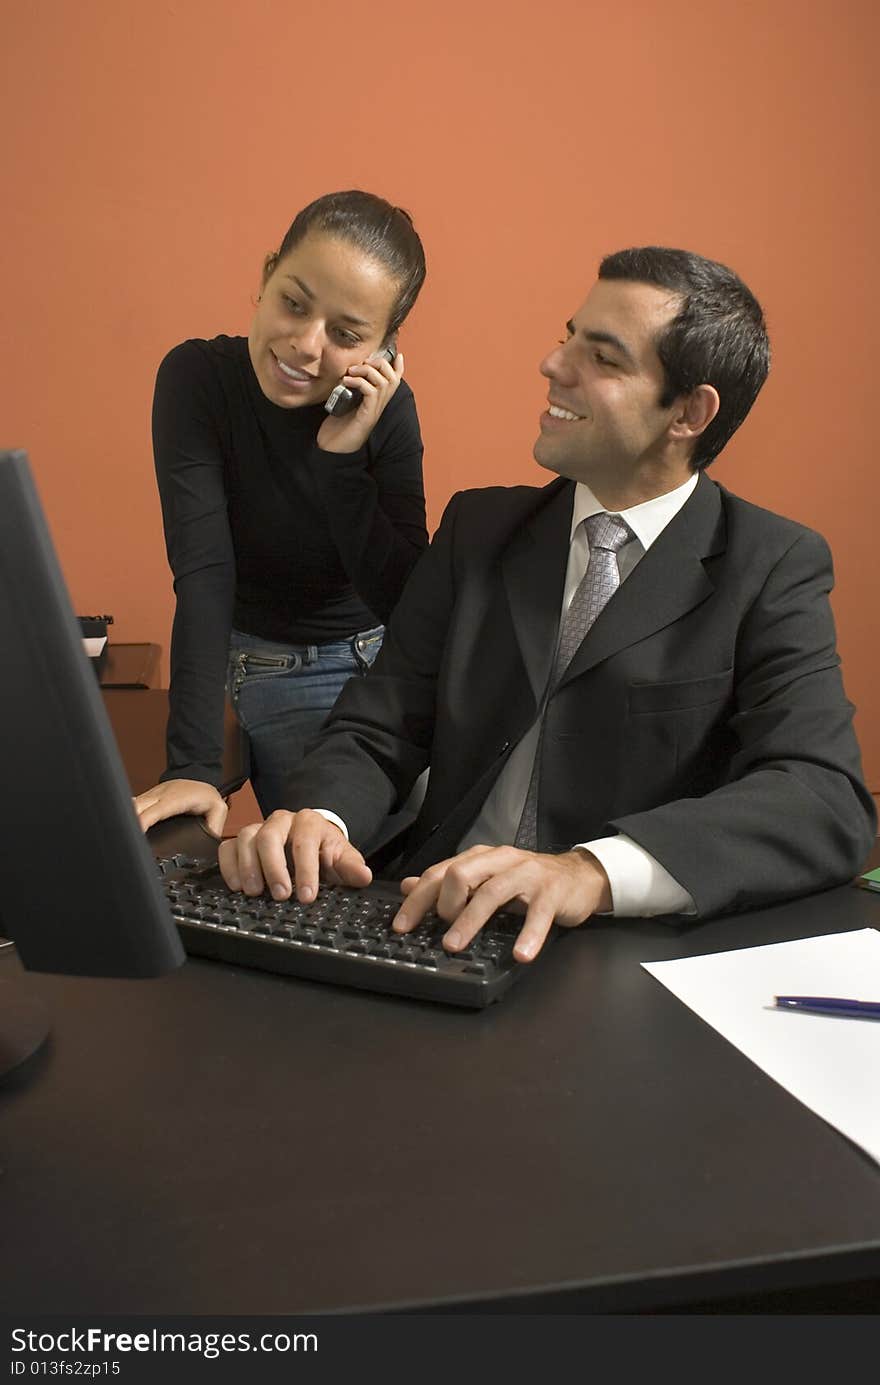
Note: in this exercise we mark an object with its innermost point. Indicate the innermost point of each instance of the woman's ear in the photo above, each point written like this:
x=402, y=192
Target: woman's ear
x=269, y=266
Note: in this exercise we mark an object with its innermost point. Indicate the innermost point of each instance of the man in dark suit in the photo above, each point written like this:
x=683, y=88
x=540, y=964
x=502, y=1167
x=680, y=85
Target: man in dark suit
x=625, y=684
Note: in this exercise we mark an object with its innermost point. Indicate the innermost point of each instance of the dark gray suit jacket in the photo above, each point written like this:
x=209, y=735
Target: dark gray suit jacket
x=703, y=715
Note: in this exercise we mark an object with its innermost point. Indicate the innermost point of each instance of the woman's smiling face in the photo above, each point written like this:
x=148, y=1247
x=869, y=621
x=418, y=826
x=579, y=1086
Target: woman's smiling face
x=324, y=307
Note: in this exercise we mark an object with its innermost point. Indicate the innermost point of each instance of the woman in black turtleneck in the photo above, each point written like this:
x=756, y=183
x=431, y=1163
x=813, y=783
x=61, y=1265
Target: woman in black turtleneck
x=290, y=533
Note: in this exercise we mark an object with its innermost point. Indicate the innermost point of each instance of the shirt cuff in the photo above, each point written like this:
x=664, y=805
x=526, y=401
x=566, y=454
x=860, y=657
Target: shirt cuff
x=640, y=886
x=331, y=817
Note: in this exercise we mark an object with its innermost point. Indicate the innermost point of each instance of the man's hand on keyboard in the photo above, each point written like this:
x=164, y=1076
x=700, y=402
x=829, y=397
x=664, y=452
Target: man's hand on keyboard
x=467, y=889
x=259, y=856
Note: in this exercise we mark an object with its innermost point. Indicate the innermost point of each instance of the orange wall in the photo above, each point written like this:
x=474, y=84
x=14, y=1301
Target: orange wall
x=151, y=156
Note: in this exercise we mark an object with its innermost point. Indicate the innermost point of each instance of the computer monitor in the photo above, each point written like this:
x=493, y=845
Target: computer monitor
x=79, y=891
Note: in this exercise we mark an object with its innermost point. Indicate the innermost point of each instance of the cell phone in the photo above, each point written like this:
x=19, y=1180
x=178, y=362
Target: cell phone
x=342, y=400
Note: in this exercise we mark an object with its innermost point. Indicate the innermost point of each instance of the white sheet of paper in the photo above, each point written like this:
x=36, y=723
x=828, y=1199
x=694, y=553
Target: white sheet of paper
x=94, y=645
x=829, y=1063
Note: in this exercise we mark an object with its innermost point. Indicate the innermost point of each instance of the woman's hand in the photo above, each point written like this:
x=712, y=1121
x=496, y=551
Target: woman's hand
x=176, y=796
x=376, y=380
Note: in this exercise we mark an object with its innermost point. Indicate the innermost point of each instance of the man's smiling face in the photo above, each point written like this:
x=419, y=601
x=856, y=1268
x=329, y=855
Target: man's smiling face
x=605, y=424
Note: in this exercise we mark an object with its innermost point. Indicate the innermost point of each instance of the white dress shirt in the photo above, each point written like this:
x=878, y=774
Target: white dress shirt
x=640, y=886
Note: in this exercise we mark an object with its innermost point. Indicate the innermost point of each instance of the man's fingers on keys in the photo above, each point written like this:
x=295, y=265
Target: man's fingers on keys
x=422, y=891
x=408, y=884
x=467, y=873
x=227, y=860
x=485, y=903
x=352, y=866
x=509, y=886
x=239, y=863
x=343, y=864
x=263, y=857
x=328, y=854
x=533, y=934
x=421, y=894
x=312, y=833
x=450, y=884
x=551, y=889
x=492, y=894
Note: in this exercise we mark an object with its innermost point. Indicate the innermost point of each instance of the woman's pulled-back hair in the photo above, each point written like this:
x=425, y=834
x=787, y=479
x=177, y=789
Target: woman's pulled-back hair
x=382, y=231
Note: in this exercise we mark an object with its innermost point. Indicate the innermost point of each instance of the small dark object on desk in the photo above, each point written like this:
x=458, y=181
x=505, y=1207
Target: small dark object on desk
x=92, y=627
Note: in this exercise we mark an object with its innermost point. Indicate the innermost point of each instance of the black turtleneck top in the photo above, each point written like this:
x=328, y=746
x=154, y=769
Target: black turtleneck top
x=267, y=533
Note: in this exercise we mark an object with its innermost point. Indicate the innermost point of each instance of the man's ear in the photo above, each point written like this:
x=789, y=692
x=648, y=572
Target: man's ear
x=694, y=412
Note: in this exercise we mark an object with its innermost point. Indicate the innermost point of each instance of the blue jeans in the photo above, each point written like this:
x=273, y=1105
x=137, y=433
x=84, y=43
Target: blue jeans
x=281, y=694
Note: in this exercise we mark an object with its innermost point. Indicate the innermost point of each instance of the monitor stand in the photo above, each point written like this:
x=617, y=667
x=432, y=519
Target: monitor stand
x=24, y=1026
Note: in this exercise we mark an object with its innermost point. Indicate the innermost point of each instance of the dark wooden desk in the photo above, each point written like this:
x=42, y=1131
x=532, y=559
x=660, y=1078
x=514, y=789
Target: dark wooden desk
x=225, y=1141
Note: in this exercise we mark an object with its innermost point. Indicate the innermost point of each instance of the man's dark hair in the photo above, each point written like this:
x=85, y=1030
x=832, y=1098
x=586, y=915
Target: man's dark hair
x=718, y=337
x=384, y=232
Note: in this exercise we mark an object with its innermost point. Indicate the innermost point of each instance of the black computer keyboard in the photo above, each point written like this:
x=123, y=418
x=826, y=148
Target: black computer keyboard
x=344, y=936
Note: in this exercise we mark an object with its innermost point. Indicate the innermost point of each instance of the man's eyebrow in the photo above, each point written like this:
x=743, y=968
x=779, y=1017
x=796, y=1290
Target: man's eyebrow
x=344, y=317
x=604, y=338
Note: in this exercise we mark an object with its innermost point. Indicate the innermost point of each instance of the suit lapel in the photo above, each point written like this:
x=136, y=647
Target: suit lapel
x=533, y=571
x=669, y=581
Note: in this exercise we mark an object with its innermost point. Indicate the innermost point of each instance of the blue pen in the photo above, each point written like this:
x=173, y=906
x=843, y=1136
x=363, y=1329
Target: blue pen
x=830, y=1005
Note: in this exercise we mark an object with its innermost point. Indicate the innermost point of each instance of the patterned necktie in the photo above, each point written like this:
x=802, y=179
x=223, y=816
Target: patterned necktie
x=606, y=535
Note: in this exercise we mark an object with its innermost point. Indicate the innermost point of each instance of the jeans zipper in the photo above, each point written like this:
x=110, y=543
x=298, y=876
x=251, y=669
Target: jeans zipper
x=258, y=661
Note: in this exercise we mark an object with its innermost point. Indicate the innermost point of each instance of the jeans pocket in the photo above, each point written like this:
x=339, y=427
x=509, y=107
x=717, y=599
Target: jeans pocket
x=246, y=668
x=366, y=646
